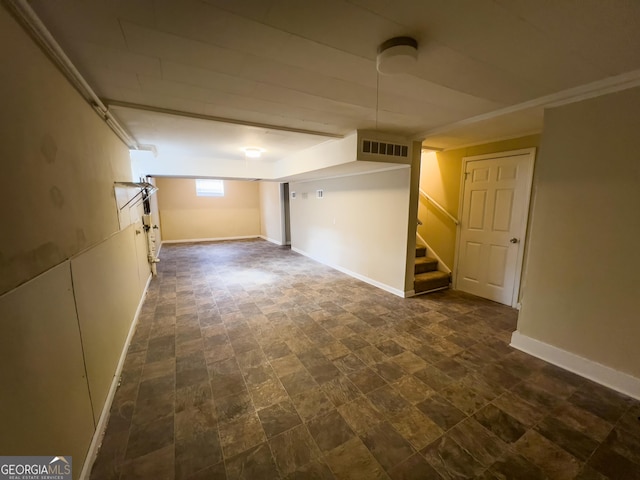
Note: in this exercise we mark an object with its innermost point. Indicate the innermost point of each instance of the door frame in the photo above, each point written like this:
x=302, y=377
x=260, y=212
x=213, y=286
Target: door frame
x=285, y=213
x=528, y=154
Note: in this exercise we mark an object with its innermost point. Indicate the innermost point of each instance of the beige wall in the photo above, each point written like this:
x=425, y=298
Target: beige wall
x=44, y=405
x=271, y=213
x=583, y=275
x=59, y=163
x=185, y=216
x=109, y=280
x=440, y=178
x=359, y=226
x=74, y=316
x=155, y=216
x=412, y=218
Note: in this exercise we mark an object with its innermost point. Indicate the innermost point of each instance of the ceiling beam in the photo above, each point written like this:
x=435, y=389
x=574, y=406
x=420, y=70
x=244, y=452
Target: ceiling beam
x=200, y=116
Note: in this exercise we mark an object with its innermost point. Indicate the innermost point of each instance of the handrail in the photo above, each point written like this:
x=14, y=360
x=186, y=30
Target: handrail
x=439, y=207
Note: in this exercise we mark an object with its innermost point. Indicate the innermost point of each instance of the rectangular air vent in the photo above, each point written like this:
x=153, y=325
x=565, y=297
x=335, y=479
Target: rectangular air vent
x=382, y=148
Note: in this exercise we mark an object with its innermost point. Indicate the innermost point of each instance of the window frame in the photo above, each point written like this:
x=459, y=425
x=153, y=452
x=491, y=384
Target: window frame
x=204, y=191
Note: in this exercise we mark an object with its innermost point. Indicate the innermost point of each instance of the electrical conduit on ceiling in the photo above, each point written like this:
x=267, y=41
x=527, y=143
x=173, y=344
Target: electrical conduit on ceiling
x=28, y=18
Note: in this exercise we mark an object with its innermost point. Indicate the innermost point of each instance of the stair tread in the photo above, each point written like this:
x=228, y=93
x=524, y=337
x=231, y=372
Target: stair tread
x=426, y=260
x=431, y=275
x=425, y=264
x=428, y=281
x=427, y=278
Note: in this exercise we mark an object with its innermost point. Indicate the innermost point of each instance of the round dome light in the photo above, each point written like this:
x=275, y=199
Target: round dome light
x=397, y=55
x=253, y=152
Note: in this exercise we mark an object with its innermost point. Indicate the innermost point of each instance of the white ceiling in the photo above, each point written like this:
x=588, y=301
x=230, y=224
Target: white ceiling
x=486, y=68
x=176, y=136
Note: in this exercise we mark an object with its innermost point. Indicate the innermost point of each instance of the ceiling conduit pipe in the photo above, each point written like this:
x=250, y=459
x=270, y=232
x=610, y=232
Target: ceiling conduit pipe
x=38, y=31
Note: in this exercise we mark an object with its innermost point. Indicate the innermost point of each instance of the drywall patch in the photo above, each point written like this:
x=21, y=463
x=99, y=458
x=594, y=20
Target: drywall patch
x=49, y=149
x=57, y=199
x=46, y=254
x=16, y=269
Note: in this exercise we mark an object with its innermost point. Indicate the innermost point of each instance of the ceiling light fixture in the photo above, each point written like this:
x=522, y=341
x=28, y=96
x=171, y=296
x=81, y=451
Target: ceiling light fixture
x=397, y=55
x=253, y=152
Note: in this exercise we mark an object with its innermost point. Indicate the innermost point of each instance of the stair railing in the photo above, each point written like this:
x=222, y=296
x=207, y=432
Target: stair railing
x=439, y=207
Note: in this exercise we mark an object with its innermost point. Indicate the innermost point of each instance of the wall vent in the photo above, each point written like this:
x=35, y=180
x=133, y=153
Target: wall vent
x=375, y=147
x=319, y=193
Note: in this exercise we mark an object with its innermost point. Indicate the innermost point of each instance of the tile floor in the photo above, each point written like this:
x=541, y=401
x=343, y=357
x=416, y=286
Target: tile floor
x=251, y=361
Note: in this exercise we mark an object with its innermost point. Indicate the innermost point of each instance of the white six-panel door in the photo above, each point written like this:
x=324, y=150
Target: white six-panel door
x=495, y=204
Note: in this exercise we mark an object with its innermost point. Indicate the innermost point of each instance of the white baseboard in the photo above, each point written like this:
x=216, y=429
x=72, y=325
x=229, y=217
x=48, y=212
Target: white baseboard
x=271, y=240
x=439, y=289
x=607, y=376
x=370, y=281
x=104, y=416
x=217, y=239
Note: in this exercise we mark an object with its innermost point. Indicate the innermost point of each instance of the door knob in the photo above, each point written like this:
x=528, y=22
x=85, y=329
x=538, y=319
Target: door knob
x=514, y=240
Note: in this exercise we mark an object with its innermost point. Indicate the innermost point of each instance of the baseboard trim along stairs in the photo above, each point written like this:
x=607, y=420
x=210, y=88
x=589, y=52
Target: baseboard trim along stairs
x=427, y=278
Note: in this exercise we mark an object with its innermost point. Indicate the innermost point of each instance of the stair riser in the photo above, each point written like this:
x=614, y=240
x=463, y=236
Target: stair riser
x=427, y=292
x=427, y=276
x=426, y=285
x=426, y=267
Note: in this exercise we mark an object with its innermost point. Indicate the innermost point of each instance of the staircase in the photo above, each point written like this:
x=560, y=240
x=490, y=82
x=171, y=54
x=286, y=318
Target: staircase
x=427, y=278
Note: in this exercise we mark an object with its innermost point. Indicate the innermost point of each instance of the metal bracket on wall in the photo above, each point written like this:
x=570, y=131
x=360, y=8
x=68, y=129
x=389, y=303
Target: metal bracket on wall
x=146, y=190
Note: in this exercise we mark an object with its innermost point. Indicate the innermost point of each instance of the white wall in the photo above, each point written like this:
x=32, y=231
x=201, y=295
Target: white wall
x=184, y=166
x=360, y=226
x=582, y=285
x=330, y=153
x=271, y=212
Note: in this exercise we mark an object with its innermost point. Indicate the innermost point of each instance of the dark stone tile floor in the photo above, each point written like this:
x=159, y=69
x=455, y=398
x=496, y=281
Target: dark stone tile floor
x=250, y=361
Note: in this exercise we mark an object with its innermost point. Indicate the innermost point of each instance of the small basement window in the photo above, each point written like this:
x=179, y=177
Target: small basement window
x=209, y=188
